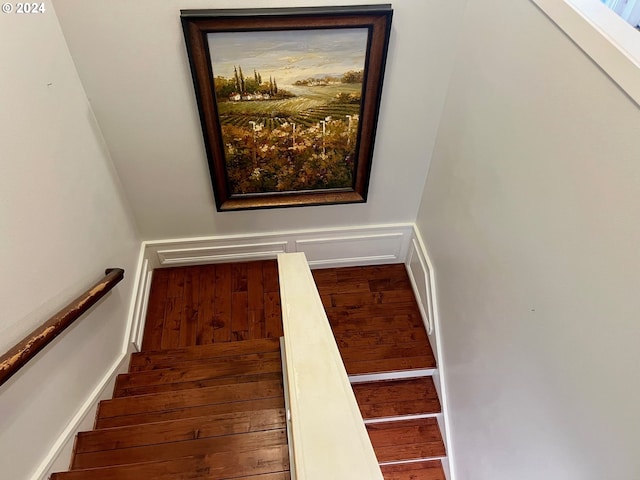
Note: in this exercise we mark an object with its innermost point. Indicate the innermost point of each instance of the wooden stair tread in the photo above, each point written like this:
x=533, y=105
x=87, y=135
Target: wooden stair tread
x=406, y=440
x=215, y=466
x=230, y=444
x=190, y=412
x=369, y=298
x=226, y=366
x=429, y=470
x=390, y=398
x=205, y=304
x=375, y=316
x=120, y=391
x=148, y=360
x=377, y=352
x=383, y=336
x=172, y=400
x=179, y=430
x=387, y=365
x=350, y=274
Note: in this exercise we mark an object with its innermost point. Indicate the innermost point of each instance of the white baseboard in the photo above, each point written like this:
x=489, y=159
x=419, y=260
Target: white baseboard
x=60, y=453
x=324, y=248
x=422, y=275
x=220, y=253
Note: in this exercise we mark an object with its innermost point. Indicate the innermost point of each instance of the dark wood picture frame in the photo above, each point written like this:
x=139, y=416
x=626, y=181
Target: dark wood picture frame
x=302, y=169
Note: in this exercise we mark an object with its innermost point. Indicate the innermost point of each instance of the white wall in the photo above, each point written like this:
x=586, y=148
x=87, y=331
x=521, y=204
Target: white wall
x=63, y=221
x=530, y=214
x=132, y=61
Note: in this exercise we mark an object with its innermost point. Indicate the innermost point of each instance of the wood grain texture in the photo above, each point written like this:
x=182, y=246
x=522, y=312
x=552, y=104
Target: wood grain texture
x=230, y=444
x=406, y=440
x=378, y=329
x=190, y=412
x=204, y=398
x=121, y=391
x=207, y=288
x=206, y=304
x=222, y=304
x=392, y=398
x=215, y=466
x=151, y=360
x=154, y=323
x=173, y=311
x=375, y=318
x=249, y=364
x=158, y=402
x=179, y=430
x=429, y=470
x=191, y=306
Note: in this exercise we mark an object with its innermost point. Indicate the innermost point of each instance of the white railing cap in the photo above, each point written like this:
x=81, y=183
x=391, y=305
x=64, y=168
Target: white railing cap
x=330, y=440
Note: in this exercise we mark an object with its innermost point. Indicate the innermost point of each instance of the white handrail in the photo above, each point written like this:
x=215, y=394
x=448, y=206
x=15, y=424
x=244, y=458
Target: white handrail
x=327, y=431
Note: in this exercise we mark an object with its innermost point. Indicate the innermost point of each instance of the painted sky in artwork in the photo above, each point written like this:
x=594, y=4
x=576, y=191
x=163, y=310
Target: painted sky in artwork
x=289, y=55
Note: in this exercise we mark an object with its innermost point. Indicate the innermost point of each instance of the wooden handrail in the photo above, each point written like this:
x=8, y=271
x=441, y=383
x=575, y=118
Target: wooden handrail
x=26, y=349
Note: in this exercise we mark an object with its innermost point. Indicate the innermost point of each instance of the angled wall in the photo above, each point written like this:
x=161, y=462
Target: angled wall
x=530, y=214
x=63, y=221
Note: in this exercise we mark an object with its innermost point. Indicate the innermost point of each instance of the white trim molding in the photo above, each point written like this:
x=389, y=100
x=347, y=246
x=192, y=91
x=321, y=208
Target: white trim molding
x=139, y=299
x=605, y=37
x=422, y=276
x=324, y=248
x=221, y=253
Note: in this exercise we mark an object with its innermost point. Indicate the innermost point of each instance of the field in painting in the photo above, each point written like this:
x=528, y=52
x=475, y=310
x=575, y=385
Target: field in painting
x=303, y=141
x=309, y=105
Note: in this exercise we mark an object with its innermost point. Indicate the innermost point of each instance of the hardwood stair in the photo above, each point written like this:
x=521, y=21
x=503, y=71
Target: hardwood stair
x=204, y=399
x=427, y=470
x=381, y=337
x=397, y=398
x=200, y=412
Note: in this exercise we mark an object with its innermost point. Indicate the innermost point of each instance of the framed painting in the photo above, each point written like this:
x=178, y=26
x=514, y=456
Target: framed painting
x=288, y=101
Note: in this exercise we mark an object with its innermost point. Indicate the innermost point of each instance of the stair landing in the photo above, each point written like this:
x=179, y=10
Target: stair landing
x=375, y=319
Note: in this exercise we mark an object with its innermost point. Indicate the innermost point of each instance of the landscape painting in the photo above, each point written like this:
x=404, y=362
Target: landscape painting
x=288, y=103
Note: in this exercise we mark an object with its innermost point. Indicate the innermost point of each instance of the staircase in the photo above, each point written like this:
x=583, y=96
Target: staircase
x=206, y=412
x=204, y=399
x=385, y=349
